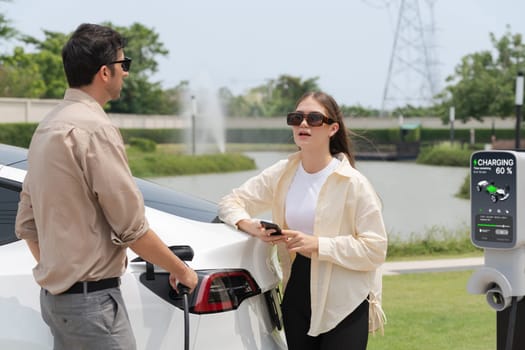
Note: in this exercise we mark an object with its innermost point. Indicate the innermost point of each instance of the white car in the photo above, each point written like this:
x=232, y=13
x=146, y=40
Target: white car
x=235, y=306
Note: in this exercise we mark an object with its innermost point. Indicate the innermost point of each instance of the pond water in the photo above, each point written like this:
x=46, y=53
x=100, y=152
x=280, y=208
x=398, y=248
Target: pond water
x=415, y=197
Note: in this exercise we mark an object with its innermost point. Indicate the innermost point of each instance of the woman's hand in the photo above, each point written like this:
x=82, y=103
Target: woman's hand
x=254, y=228
x=301, y=243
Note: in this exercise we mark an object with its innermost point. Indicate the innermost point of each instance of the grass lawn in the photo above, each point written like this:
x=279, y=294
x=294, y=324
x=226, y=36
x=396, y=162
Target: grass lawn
x=169, y=160
x=433, y=311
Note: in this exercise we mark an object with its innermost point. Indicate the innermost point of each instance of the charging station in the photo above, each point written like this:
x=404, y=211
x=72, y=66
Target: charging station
x=498, y=226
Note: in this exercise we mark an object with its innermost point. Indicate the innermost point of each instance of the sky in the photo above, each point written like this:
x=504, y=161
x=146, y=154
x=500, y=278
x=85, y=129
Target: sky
x=241, y=44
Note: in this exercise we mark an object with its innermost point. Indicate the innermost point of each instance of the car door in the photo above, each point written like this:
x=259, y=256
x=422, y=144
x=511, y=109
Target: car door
x=21, y=326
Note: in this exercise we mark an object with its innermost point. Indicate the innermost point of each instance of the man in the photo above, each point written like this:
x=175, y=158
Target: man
x=80, y=208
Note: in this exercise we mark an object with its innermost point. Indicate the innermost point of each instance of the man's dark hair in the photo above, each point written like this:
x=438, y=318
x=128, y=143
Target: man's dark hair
x=89, y=47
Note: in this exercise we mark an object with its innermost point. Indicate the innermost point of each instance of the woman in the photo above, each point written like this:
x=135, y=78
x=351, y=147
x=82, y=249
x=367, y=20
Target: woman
x=333, y=238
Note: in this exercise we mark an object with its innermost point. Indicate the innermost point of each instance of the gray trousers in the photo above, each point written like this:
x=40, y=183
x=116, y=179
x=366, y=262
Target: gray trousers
x=88, y=321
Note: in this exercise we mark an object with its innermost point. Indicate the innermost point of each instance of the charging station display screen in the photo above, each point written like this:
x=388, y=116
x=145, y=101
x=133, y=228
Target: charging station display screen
x=493, y=200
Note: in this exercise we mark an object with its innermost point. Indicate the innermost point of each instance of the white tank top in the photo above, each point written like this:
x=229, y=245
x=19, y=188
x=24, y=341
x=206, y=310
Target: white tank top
x=301, y=199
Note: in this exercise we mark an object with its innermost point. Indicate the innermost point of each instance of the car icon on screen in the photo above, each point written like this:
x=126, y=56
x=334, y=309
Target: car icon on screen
x=495, y=193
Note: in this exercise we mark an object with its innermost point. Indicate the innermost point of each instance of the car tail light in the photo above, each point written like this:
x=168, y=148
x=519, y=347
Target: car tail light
x=217, y=290
x=222, y=290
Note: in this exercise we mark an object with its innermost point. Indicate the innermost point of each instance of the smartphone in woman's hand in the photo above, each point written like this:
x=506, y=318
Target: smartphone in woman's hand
x=270, y=225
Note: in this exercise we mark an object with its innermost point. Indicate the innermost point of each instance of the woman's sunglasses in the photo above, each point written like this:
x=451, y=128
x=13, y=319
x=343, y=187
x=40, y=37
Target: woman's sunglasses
x=312, y=118
x=125, y=63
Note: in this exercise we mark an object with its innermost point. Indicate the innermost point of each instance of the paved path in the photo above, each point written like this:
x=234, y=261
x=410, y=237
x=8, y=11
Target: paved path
x=399, y=267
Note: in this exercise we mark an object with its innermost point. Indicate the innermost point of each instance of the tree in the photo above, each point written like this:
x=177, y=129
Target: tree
x=275, y=98
x=176, y=96
x=20, y=76
x=409, y=111
x=40, y=73
x=234, y=106
x=9, y=73
x=286, y=91
x=48, y=58
x=483, y=83
x=37, y=74
x=7, y=31
x=139, y=95
x=359, y=111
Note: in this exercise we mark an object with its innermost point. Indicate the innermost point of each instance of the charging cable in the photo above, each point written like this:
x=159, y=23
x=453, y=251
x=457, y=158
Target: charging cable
x=512, y=323
x=185, y=291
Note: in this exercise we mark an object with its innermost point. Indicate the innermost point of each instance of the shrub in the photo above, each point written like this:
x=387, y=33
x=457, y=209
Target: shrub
x=144, y=145
x=445, y=153
x=156, y=164
x=464, y=190
x=17, y=134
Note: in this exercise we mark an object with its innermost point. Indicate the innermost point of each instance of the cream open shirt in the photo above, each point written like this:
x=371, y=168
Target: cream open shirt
x=79, y=200
x=352, y=238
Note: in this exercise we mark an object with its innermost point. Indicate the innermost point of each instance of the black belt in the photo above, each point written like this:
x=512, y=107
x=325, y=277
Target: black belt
x=93, y=286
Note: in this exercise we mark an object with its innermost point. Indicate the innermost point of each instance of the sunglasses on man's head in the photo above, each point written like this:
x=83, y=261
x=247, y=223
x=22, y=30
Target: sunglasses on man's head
x=126, y=63
x=312, y=118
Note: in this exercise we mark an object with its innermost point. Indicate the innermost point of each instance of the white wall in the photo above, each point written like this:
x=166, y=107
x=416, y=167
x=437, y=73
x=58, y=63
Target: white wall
x=24, y=110
x=20, y=110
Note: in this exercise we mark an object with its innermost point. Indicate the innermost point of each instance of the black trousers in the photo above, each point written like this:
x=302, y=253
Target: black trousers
x=349, y=334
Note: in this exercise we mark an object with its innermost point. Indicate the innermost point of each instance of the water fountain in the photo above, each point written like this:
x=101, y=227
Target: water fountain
x=204, y=119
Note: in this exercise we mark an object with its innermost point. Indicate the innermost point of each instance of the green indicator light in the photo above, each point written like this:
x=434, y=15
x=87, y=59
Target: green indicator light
x=492, y=189
x=475, y=162
x=487, y=225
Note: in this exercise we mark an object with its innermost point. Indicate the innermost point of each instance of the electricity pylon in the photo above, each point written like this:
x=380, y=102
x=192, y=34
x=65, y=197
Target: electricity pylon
x=412, y=72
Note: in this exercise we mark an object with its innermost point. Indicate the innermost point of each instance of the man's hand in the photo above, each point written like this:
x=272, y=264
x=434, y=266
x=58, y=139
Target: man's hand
x=150, y=247
x=189, y=279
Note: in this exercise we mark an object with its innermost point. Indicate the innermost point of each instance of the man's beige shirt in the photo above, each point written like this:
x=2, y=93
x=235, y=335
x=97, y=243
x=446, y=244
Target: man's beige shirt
x=79, y=200
x=352, y=238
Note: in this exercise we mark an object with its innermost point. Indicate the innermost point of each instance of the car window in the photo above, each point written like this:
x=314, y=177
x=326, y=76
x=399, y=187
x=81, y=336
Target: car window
x=9, y=197
x=11, y=154
x=155, y=196
x=177, y=203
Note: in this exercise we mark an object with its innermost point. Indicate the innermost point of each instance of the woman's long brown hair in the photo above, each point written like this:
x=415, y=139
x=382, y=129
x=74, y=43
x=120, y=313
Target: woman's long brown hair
x=340, y=142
